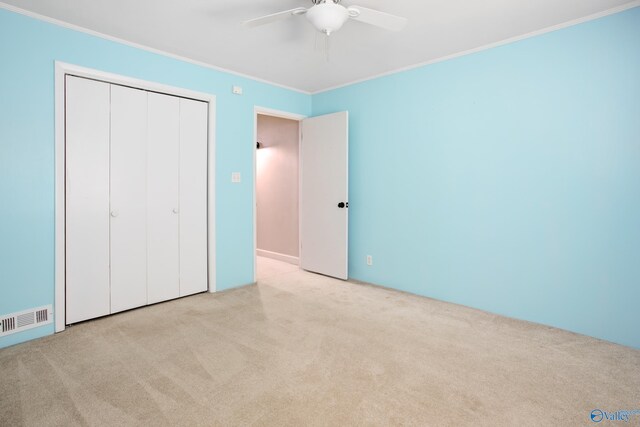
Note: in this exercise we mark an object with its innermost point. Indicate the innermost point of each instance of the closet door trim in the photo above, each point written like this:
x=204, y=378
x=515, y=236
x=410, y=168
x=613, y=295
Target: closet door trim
x=61, y=71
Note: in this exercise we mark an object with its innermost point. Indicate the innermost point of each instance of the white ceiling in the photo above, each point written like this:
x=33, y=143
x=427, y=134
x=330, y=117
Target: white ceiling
x=283, y=52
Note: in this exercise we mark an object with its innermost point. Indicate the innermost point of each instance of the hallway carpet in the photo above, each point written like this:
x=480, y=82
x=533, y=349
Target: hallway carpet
x=302, y=349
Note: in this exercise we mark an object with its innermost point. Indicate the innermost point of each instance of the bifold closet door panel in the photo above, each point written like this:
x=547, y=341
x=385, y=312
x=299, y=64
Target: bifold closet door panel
x=128, y=198
x=163, y=154
x=87, y=199
x=193, y=196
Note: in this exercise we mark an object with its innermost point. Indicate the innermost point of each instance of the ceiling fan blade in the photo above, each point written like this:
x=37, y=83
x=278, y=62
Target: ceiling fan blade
x=274, y=17
x=377, y=18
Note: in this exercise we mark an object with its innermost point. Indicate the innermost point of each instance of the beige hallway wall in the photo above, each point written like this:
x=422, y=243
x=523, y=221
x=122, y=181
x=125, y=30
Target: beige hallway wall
x=277, y=185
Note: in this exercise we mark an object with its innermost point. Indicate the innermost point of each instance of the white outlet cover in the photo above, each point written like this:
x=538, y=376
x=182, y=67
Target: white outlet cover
x=235, y=177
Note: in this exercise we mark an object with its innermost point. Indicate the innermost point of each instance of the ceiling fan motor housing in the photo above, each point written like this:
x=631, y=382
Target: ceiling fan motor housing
x=327, y=16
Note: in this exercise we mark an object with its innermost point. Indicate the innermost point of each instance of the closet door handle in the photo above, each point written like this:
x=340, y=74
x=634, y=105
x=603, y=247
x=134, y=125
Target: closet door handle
x=176, y=210
x=115, y=213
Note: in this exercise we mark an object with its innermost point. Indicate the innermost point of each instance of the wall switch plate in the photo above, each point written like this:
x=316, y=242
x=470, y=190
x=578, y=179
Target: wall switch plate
x=237, y=90
x=369, y=260
x=235, y=177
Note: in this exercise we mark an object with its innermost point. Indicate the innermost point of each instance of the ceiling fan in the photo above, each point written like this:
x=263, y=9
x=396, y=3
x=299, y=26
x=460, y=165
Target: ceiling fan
x=328, y=16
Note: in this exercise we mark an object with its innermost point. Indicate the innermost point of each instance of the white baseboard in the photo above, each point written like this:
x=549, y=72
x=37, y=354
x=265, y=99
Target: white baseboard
x=277, y=256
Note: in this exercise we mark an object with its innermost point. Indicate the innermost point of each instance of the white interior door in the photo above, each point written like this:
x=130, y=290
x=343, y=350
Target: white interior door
x=193, y=196
x=128, y=198
x=87, y=199
x=324, y=218
x=163, y=154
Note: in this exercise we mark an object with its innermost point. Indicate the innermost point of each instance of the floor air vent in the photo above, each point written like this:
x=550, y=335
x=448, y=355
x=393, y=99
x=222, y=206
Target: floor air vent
x=27, y=319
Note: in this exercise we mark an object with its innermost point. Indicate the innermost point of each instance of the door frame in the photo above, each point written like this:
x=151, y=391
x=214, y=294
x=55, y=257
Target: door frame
x=283, y=115
x=61, y=70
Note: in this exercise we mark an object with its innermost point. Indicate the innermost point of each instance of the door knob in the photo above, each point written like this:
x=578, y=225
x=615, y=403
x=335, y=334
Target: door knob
x=176, y=210
x=115, y=213
x=341, y=205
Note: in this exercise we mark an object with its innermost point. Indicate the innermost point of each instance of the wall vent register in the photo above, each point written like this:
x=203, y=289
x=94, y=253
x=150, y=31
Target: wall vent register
x=26, y=319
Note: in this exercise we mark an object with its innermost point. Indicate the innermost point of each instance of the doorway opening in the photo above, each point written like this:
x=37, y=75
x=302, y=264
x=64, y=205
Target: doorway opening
x=277, y=177
x=319, y=213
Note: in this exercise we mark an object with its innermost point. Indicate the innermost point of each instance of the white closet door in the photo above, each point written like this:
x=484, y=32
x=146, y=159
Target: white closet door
x=163, y=154
x=128, y=198
x=87, y=199
x=193, y=196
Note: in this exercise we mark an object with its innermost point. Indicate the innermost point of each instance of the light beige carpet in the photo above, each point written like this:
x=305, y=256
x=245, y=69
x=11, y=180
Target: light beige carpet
x=303, y=349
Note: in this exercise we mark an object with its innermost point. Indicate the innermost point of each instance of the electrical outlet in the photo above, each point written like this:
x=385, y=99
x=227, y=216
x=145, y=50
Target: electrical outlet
x=235, y=177
x=369, y=260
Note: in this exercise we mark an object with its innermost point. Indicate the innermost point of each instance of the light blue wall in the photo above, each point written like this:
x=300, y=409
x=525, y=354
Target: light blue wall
x=506, y=180
x=28, y=49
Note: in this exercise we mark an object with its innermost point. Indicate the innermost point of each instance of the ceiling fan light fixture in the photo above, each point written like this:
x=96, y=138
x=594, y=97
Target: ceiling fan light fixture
x=327, y=17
